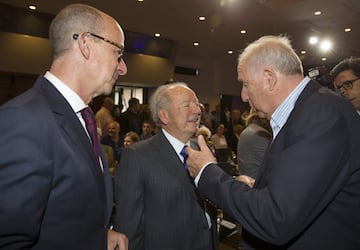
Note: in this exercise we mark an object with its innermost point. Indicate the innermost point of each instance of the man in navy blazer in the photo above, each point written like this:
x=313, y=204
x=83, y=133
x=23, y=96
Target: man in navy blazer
x=307, y=195
x=55, y=192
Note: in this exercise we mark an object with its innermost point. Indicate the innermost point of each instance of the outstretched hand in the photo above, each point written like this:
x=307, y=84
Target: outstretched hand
x=198, y=159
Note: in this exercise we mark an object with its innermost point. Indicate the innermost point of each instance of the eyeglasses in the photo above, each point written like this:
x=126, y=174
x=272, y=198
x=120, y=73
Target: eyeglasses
x=347, y=85
x=120, y=47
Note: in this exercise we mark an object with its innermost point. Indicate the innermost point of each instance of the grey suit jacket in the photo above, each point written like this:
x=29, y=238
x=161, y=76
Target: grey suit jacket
x=251, y=148
x=157, y=206
x=53, y=192
x=308, y=193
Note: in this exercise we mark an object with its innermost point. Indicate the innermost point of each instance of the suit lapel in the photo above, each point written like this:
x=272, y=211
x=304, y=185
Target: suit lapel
x=279, y=141
x=176, y=168
x=69, y=122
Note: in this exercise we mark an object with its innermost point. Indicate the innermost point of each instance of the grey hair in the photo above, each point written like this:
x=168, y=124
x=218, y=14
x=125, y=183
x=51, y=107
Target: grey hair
x=161, y=99
x=274, y=51
x=73, y=19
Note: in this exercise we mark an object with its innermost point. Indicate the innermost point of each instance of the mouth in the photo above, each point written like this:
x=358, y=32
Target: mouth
x=195, y=120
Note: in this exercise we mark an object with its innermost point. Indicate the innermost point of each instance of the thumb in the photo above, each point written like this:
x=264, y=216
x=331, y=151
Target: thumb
x=202, y=143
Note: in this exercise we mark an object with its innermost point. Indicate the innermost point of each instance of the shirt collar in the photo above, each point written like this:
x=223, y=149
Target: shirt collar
x=175, y=143
x=76, y=103
x=282, y=113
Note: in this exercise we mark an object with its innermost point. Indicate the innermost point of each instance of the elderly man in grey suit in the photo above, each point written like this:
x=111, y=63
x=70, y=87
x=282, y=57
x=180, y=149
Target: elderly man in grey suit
x=157, y=205
x=307, y=194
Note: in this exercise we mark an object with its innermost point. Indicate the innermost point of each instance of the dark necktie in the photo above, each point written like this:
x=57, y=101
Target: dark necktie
x=89, y=118
x=185, y=155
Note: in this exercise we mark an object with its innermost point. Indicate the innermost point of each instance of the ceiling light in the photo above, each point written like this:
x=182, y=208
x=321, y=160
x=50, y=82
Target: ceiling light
x=202, y=18
x=325, y=45
x=196, y=44
x=243, y=31
x=313, y=40
x=303, y=52
x=32, y=7
x=140, y=0
x=347, y=29
x=323, y=59
x=157, y=34
x=317, y=13
x=230, y=52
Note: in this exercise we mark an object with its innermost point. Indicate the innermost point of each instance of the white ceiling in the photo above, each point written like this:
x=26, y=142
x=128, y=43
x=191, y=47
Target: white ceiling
x=178, y=20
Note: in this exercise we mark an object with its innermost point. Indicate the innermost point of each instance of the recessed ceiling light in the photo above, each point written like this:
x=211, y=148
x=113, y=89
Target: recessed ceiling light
x=325, y=45
x=32, y=7
x=196, y=44
x=303, y=52
x=157, y=35
x=317, y=13
x=323, y=59
x=230, y=52
x=243, y=31
x=202, y=18
x=313, y=40
x=347, y=29
x=140, y=0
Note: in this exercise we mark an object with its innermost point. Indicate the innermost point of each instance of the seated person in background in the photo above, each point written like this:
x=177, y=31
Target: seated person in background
x=346, y=80
x=252, y=144
x=130, y=138
x=114, y=139
x=109, y=154
x=218, y=139
x=104, y=116
x=147, y=130
x=206, y=133
x=207, y=122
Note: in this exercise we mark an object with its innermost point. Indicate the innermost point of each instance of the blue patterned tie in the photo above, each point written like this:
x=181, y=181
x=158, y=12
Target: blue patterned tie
x=185, y=155
x=89, y=118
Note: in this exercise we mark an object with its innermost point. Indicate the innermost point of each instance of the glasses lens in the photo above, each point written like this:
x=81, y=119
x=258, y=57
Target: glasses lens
x=347, y=85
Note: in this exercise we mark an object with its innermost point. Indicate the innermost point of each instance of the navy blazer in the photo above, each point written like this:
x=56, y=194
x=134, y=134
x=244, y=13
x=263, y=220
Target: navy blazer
x=157, y=205
x=53, y=192
x=307, y=195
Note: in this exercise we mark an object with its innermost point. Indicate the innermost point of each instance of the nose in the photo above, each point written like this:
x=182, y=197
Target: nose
x=244, y=95
x=198, y=109
x=122, y=68
x=343, y=91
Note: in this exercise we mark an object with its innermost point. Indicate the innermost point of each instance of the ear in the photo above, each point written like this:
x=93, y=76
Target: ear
x=270, y=78
x=164, y=116
x=82, y=42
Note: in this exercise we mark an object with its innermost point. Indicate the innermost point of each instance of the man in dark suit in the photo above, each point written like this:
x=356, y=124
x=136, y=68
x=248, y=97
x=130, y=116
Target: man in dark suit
x=56, y=192
x=157, y=206
x=130, y=119
x=307, y=195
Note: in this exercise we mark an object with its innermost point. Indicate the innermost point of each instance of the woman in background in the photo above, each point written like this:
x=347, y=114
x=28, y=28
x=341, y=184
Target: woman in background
x=252, y=143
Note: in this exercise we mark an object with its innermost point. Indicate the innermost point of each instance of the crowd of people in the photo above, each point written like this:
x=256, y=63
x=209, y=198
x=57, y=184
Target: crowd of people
x=297, y=147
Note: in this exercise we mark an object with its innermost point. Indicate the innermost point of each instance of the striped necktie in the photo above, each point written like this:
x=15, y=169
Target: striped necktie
x=185, y=156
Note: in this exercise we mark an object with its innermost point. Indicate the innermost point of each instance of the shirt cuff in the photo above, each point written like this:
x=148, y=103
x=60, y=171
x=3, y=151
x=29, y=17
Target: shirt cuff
x=197, y=178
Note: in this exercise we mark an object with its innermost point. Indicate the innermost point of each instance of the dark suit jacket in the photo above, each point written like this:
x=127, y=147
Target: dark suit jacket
x=308, y=193
x=157, y=206
x=53, y=192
